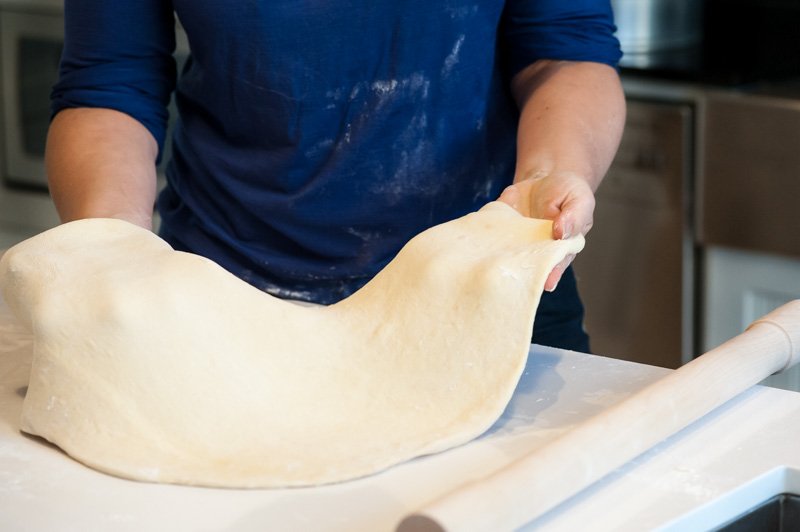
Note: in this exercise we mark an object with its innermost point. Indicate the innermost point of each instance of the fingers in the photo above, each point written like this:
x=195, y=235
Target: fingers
x=576, y=216
x=555, y=275
x=510, y=196
x=563, y=226
x=567, y=200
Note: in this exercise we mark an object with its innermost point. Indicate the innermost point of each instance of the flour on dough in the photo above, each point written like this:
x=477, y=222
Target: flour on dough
x=159, y=365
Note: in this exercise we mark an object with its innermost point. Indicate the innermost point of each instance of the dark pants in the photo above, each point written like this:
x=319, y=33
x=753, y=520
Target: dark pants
x=559, y=319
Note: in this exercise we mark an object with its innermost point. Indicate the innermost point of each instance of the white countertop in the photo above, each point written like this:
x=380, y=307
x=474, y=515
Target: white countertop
x=704, y=466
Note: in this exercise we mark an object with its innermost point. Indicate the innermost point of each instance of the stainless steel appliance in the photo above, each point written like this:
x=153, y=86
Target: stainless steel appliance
x=636, y=273
x=712, y=41
x=31, y=40
x=649, y=29
x=31, y=43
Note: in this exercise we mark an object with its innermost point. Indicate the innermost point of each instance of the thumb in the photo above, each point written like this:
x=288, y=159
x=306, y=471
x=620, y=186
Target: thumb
x=563, y=226
x=575, y=217
x=510, y=196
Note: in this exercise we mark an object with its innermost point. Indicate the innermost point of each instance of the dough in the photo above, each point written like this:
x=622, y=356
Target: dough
x=158, y=365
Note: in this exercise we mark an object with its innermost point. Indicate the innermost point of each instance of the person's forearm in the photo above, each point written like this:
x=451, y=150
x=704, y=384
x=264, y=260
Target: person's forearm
x=101, y=164
x=571, y=121
x=572, y=116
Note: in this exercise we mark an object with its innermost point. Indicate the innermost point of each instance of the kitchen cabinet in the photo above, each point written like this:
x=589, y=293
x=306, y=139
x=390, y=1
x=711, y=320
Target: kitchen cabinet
x=747, y=223
x=750, y=170
x=636, y=272
x=696, y=224
x=741, y=286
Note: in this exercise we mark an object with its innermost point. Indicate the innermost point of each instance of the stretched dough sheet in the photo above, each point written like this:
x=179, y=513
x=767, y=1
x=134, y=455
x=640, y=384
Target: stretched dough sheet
x=160, y=366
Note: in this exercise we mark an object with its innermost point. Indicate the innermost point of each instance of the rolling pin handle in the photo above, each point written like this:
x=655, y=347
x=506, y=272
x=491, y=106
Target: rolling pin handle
x=787, y=319
x=419, y=523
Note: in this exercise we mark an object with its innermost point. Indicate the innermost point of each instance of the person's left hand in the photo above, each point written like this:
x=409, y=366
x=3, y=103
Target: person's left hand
x=566, y=199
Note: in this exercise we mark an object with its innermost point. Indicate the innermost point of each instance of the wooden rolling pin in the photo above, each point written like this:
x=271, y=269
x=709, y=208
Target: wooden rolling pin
x=530, y=486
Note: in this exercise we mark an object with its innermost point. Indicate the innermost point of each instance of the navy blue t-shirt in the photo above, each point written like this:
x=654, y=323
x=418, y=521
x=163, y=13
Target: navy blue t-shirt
x=316, y=137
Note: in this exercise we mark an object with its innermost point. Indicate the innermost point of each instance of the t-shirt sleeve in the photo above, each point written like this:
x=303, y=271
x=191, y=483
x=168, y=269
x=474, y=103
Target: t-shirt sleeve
x=118, y=55
x=573, y=30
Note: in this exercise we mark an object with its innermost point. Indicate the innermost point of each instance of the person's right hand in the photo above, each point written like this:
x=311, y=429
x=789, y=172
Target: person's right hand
x=566, y=199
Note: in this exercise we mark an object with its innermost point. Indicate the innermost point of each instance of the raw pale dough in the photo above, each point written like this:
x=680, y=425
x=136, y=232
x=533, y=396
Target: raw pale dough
x=159, y=365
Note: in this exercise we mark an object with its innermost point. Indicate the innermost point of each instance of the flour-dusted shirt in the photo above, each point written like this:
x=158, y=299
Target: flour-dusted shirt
x=316, y=137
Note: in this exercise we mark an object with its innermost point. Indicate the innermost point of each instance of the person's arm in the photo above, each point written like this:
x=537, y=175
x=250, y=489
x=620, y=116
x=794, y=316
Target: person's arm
x=572, y=116
x=101, y=164
x=110, y=108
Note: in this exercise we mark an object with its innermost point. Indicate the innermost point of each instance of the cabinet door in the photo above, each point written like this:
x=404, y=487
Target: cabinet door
x=750, y=173
x=635, y=274
x=739, y=288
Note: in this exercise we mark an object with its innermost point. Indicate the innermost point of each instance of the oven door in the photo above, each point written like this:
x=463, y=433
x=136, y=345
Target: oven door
x=31, y=49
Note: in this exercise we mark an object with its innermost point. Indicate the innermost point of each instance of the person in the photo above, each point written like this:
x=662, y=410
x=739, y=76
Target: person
x=315, y=138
